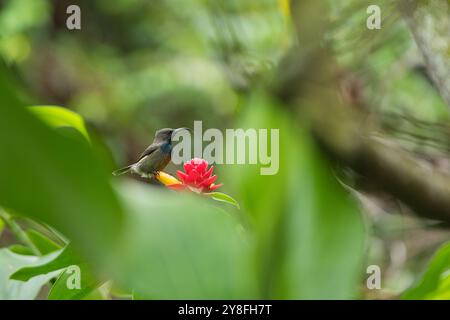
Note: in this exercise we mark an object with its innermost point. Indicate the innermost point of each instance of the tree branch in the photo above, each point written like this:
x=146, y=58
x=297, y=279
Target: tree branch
x=308, y=86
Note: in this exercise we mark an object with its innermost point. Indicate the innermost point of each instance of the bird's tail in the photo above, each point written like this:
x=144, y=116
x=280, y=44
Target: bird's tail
x=122, y=171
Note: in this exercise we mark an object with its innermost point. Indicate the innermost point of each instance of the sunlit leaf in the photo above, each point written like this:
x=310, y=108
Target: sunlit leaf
x=2, y=225
x=60, y=117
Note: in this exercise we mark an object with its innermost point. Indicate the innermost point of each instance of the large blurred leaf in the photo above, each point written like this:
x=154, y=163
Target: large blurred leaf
x=13, y=289
x=60, y=117
x=173, y=246
x=53, y=178
x=180, y=247
x=309, y=229
x=435, y=280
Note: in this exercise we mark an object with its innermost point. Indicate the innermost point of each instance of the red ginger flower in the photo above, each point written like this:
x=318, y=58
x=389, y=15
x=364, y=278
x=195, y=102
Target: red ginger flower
x=197, y=177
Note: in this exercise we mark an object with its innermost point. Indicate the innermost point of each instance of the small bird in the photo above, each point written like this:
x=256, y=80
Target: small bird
x=155, y=157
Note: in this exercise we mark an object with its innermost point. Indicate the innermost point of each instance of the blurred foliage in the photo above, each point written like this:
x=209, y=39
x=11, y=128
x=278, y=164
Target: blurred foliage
x=138, y=66
x=61, y=117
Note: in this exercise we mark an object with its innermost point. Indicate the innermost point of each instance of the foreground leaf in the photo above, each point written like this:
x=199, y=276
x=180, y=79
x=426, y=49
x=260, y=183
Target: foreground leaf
x=63, y=186
x=61, y=289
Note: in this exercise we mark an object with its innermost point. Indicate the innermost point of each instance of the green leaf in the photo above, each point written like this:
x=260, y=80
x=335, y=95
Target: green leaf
x=13, y=289
x=60, y=117
x=62, y=291
x=219, y=196
x=96, y=294
x=42, y=243
x=54, y=178
x=309, y=232
x=176, y=246
x=51, y=262
x=434, y=277
x=443, y=290
x=322, y=229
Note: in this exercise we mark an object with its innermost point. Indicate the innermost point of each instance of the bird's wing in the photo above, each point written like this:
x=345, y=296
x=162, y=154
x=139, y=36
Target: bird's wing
x=149, y=150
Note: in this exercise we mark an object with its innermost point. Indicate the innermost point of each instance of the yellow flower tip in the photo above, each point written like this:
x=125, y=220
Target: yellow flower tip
x=166, y=179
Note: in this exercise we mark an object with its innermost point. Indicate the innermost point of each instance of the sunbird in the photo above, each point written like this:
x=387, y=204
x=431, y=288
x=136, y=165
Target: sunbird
x=155, y=158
